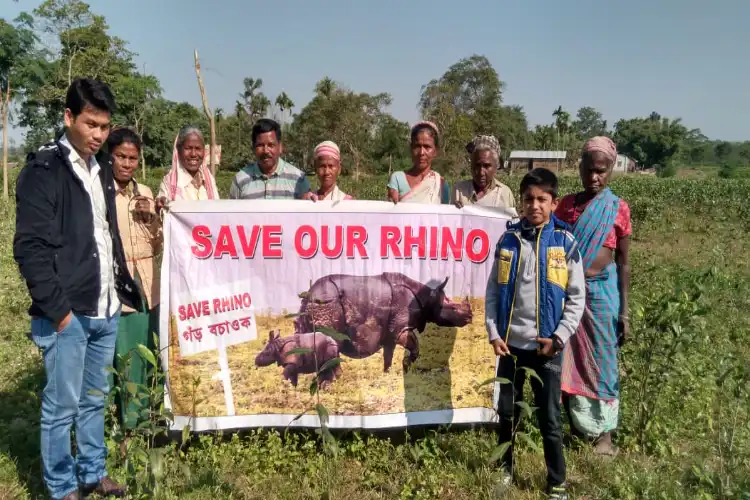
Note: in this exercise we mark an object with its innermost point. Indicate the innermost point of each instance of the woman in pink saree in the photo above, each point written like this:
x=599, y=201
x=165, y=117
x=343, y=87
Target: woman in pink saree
x=420, y=184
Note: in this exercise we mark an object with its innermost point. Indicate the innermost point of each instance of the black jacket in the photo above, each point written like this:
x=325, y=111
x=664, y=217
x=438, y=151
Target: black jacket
x=54, y=243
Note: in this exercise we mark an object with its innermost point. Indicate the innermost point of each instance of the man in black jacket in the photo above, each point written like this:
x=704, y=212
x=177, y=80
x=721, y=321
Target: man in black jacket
x=68, y=249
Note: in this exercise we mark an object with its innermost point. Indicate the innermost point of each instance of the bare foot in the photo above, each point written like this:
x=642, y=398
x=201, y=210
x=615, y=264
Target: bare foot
x=603, y=446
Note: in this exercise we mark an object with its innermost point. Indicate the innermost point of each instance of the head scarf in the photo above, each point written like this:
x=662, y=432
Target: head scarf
x=172, y=176
x=486, y=142
x=426, y=124
x=327, y=148
x=602, y=144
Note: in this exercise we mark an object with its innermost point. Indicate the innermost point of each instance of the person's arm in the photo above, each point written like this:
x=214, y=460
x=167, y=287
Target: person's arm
x=234, y=190
x=392, y=189
x=510, y=199
x=622, y=260
x=575, y=300
x=491, y=297
x=302, y=189
x=491, y=304
x=36, y=242
x=445, y=197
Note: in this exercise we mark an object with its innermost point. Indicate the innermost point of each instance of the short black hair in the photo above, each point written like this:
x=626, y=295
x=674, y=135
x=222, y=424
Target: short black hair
x=264, y=126
x=544, y=179
x=121, y=136
x=89, y=92
x=428, y=128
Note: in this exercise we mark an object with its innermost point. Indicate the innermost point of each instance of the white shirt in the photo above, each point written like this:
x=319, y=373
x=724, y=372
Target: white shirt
x=108, y=303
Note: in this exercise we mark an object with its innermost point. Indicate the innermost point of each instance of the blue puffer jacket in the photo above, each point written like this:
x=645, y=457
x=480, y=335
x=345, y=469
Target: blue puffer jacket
x=554, y=242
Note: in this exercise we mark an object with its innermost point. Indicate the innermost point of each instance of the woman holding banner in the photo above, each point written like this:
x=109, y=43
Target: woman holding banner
x=420, y=184
x=188, y=179
x=141, y=235
x=327, y=161
x=602, y=227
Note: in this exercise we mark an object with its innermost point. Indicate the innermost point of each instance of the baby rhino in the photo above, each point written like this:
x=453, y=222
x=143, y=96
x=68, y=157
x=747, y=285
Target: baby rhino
x=277, y=351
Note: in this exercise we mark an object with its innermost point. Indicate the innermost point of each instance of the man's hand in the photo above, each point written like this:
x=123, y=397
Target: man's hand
x=459, y=204
x=310, y=196
x=623, y=330
x=62, y=325
x=501, y=348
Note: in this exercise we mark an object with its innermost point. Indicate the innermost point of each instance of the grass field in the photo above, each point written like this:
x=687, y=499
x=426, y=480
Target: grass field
x=685, y=430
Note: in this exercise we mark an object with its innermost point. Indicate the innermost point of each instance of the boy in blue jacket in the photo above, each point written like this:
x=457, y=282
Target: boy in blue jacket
x=535, y=298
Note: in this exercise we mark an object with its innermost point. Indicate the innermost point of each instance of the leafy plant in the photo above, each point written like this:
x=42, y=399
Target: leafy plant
x=141, y=456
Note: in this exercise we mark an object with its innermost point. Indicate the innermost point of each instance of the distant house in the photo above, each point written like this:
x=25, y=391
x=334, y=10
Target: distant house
x=624, y=164
x=527, y=160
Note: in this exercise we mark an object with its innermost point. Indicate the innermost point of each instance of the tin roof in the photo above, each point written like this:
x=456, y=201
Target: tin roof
x=538, y=155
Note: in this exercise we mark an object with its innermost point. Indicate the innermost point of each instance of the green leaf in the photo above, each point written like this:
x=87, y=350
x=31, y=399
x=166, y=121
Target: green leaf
x=335, y=335
x=131, y=387
x=298, y=417
x=185, y=434
x=493, y=380
x=146, y=354
x=322, y=414
x=330, y=364
x=498, y=452
x=526, y=410
x=532, y=373
x=298, y=350
x=95, y=392
x=313, y=387
x=530, y=442
x=293, y=315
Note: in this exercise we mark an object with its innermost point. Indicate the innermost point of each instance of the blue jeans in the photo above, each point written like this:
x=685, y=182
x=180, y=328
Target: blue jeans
x=76, y=361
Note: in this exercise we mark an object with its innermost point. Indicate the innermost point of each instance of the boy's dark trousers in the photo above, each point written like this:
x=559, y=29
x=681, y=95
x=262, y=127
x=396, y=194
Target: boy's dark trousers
x=547, y=400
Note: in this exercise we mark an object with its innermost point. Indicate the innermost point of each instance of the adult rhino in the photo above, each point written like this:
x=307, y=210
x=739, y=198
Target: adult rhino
x=378, y=311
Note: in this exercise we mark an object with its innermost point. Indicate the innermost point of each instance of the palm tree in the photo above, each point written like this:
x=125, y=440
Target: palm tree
x=325, y=87
x=284, y=103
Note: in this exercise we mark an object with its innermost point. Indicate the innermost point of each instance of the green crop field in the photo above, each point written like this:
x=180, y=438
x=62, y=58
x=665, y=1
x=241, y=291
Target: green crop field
x=685, y=430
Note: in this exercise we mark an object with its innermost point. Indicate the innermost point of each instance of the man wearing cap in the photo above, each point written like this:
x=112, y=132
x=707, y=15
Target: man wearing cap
x=483, y=188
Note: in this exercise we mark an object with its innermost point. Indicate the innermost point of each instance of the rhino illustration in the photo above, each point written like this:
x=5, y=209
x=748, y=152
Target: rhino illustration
x=277, y=349
x=378, y=311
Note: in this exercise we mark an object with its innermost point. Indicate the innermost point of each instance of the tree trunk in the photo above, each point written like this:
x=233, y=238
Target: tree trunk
x=207, y=112
x=4, y=109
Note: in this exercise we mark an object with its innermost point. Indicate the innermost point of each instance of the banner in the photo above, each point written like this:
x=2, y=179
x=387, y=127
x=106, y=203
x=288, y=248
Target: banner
x=250, y=288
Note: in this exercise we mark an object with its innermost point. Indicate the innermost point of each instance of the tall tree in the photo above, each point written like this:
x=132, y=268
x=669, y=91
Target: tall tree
x=350, y=119
x=466, y=100
x=651, y=141
x=17, y=43
x=722, y=151
x=135, y=96
x=256, y=102
x=79, y=45
x=589, y=123
x=284, y=103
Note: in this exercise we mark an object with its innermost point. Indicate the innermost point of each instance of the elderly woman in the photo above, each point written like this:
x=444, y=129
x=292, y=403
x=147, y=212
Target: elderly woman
x=483, y=188
x=602, y=227
x=327, y=161
x=188, y=179
x=420, y=184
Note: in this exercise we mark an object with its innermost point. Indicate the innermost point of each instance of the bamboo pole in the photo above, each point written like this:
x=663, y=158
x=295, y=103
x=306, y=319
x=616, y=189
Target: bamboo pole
x=208, y=112
x=4, y=106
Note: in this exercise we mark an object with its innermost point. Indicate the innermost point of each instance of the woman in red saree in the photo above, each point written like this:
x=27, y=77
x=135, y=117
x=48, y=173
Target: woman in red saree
x=601, y=224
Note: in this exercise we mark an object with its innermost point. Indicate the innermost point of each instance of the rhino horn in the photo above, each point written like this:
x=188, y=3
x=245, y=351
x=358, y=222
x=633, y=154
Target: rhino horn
x=441, y=286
